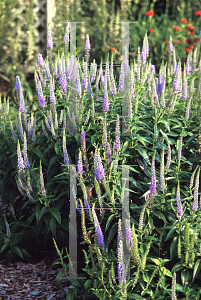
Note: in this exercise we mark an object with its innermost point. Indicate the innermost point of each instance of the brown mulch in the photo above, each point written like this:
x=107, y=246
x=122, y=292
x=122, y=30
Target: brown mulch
x=32, y=281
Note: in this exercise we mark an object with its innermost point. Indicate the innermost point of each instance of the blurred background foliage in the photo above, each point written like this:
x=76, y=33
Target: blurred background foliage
x=103, y=33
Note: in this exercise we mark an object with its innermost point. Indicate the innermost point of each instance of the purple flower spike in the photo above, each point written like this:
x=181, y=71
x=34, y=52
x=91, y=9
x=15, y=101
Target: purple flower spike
x=170, y=44
x=105, y=104
x=22, y=105
x=195, y=202
x=40, y=60
x=153, y=178
x=99, y=233
x=80, y=165
x=17, y=84
x=87, y=44
x=49, y=39
x=21, y=165
x=66, y=37
x=179, y=204
x=117, y=135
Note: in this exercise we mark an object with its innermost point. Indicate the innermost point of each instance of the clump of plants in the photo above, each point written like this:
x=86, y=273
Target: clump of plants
x=77, y=123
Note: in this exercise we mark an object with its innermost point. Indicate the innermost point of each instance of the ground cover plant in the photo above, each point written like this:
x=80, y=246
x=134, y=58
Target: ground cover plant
x=164, y=231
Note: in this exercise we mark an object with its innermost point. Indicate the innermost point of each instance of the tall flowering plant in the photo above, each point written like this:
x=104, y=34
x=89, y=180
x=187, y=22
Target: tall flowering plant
x=149, y=238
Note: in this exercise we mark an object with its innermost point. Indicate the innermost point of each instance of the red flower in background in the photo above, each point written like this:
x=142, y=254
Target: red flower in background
x=166, y=41
x=191, y=33
x=188, y=49
x=191, y=46
x=190, y=27
x=175, y=28
x=198, y=13
x=151, y=30
x=149, y=13
x=184, y=20
x=115, y=50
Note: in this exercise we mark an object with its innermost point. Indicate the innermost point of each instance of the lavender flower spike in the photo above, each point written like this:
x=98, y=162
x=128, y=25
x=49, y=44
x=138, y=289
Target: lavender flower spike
x=170, y=44
x=169, y=157
x=162, y=179
x=25, y=152
x=195, y=202
x=49, y=39
x=180, y=146
x=129, y=239
x=22, y=105
x=42, y=187
x=87, y=44
x=21, y=166
x=98, y=230
x=117, y=135
x=173, y=291
x=40, y=60
x=119, y=252
x=17, y=85
x=80, y=165
x=153, y=177
x=66, y=37
x=179, y=204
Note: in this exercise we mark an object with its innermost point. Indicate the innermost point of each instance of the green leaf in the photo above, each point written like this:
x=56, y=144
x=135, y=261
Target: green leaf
x=109, y=220
x=177, y=268
x=160, y=216
x=166, y=124
x=180, y=288
x=41, y=213
x=56, y=147
x=124, y=147
x=135, y=183
x=156, y=261
x=4, y=77
x=4, y=247
x=58, y=279
x=170, y=233
x=166, y=272
x=196, y=268
x=70, y=295
x=77, y=137
x=93, y=137
x=51, y=163
x=55, y=212
x=49, y=147
x=37, y=209
x=150, y=222
x=87, y=284
x=53, y=227
x=65, y=224
x=17, y=251
x=38, y=153
x=117, y=190
x=143, y=153
x=135, y=296
x=25, y=253
x=141, y=139
x=184, y=276
x=189, y=140
x=164, y=134
x=173, y=247
x=143, y=166
x=111, y=234
x=195, y=159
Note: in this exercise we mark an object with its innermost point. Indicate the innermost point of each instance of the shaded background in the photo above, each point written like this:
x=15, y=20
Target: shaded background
x=19, y=60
